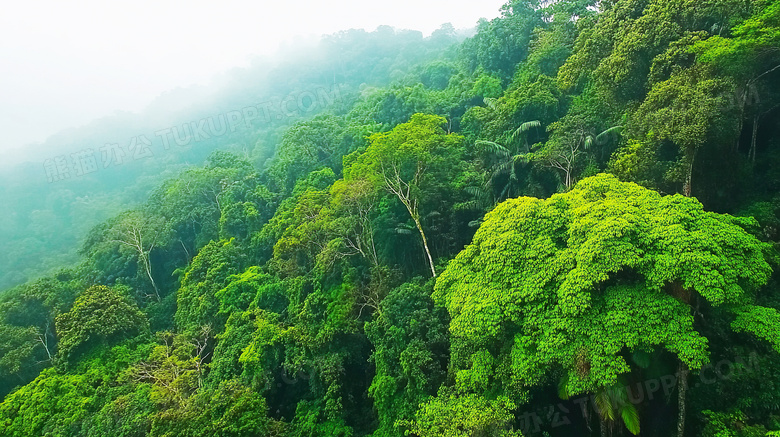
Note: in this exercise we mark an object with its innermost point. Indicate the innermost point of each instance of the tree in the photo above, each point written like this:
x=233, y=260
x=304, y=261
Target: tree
x=197, y=304
x=69, y=403
x=752, y=58
x=406, y=160
x=136, y=233
x=354, y=206
x=450, y=415
x=410, y=339
x=500, y=44
x=176, y=368
x=615, y=52
x=28, y=339
x=572, y=137
x=17, y=348
x=689, y=109
x=52, y=402
x=505, y=161
x=573, y=283
x=202, y=201
x=310, y=145
x=100, y=314
x=229, y=409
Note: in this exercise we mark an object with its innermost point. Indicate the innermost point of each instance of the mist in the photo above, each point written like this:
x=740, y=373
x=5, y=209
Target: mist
x=66, y=64
x=94, y=118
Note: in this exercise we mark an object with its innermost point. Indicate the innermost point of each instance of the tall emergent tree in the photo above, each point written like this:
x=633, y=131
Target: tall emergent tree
x=409, y=160
x=133, y=234
x=571, y=285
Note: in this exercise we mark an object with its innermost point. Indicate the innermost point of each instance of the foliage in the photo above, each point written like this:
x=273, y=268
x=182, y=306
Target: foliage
x=99, y=315
x=464, y=416
x=411, y=344
x=270, y=279
x=573, y=283
x=405, y=160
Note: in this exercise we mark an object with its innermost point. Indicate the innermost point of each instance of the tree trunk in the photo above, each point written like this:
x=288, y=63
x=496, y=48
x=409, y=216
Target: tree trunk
x=740, y=100
x=740, y=124
x=603, y=427
x=682, y=390
x=186, y=252
x=752, y=153
x=414, y=213
x=425, y=243
x=148, y=267
x=689, y=175
x=43, y=338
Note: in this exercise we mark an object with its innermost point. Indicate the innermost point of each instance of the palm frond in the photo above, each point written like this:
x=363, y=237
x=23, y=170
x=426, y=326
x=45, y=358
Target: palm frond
x=468, y=205
x=520, y=158
x=604, y=405
x=505, y=192
x=492, y=147
x=482, y=198
x=630, y=417
x=404, y=229
x=525, y=127
x=475, y=223
x=502, y=168
x=476, y=191
x=601, y=136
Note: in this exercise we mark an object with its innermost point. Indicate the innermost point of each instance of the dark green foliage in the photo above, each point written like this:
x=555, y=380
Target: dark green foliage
x=100, y=315
x=502, y=43
x=209, y=272
x=411, y=345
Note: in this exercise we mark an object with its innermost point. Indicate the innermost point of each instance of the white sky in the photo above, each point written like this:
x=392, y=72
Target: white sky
x=65, y=63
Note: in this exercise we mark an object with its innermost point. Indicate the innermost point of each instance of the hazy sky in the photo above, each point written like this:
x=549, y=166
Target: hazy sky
x=64, y=63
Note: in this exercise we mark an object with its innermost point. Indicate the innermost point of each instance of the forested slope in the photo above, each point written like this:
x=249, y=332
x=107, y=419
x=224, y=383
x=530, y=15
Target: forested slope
x=566, y=224
x=82, y=176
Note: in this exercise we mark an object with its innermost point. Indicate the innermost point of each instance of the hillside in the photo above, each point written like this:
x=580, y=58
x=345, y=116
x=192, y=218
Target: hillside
x=562, y=223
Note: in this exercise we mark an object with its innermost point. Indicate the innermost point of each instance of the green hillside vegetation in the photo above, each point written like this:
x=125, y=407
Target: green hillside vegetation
x=564, y=224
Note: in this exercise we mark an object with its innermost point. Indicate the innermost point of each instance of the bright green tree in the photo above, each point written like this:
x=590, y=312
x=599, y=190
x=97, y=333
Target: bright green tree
x=209, y=272
x=571, y=284
x=450, y=415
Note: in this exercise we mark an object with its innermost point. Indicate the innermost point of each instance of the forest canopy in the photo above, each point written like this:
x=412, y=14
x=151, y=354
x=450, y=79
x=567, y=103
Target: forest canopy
x=565, y=224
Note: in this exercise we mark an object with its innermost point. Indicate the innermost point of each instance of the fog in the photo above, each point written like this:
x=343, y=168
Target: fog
x=65, y=64
x=99, y=106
